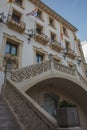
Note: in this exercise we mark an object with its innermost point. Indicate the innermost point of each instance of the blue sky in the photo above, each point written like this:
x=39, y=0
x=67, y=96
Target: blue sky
x=75, y=11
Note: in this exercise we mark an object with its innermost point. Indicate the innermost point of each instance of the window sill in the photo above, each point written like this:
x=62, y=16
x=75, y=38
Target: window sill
x=40, y=18
x=52, y=26
x=66, y=35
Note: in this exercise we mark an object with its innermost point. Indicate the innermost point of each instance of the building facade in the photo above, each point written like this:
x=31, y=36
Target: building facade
x=46, y=43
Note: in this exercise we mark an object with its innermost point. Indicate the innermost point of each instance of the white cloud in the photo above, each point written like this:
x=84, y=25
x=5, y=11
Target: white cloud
x=84, y=47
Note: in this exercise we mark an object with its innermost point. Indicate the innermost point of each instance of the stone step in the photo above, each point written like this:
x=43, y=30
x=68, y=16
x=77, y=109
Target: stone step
x=8, y=128
x=7, y=120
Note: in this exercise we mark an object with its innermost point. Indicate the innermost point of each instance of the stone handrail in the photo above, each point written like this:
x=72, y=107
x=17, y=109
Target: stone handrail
x=70, y=71
x=64, y=68
x=29, y=72
x=84, y=81
x=28, y=113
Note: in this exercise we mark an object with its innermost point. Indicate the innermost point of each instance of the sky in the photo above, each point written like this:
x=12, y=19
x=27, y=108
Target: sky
x=74, y=11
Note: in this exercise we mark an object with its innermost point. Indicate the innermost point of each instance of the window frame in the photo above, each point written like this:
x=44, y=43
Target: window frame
x=41, y=57
x=15, y=40
x=51, y=22
x=38, y=26
x=67, y=45
x=40, y=51
x=11, y=45
x=19, y=3
x=39, y=14
x=54, y=35
x=65, y=31
x=18, y=14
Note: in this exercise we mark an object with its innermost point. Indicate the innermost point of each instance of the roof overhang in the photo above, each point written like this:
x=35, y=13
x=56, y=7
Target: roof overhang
x=52, y=13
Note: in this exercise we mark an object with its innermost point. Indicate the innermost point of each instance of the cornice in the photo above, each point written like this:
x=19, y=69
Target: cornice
x=52, y=13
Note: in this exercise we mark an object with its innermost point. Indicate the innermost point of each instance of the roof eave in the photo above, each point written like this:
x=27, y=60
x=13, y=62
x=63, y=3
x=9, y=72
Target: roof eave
x=48, y=10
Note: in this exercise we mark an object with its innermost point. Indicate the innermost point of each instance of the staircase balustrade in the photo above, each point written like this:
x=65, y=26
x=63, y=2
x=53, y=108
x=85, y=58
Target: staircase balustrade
x=29, y=72
x=30, y=115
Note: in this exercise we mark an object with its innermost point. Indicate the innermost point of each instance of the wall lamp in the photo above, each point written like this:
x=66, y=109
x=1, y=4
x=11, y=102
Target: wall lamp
x=30, y=34
x=2, y=17
x=79, y=60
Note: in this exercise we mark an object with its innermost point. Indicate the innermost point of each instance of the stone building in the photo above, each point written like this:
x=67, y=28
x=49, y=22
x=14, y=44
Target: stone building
x=46, y=89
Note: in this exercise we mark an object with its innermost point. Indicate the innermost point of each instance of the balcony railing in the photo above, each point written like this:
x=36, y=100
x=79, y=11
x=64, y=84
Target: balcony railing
x=71, y=53
x=19, y=2
x=55, y=45
x=16, y=24
x=41, y=38
x=11, y=62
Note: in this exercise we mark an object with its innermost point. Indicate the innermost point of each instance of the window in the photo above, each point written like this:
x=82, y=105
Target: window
x=53, y=37
x=86, y=73
x=11, y=48
x=39, y=57
x=39, y=28
x=16, y=16
x=65, y=31
x=67, y=45
x=19, y=2
x=39, y=14
x=51, y=22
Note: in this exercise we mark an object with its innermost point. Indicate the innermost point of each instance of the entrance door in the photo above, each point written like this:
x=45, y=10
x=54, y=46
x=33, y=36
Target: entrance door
x=50, y=104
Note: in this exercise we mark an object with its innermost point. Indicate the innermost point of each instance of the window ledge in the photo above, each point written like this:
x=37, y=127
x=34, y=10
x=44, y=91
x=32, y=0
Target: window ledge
x=40, y=18
x=52, y=26
x=66, y=35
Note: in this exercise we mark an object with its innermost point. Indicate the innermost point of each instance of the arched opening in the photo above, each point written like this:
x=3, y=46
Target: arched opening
x=47, y=94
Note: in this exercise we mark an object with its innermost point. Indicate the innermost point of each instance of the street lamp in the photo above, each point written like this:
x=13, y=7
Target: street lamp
x=30, y=34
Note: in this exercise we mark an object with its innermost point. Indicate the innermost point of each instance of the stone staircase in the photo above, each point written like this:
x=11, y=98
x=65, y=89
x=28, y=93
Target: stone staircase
x=7, y=121
x=29, y=114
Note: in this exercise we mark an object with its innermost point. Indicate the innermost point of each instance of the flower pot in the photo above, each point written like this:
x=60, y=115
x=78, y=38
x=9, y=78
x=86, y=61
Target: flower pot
x=67, y=117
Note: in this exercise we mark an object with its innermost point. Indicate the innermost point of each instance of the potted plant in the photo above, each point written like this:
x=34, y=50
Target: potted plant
x=11, y=60
x=67, y=114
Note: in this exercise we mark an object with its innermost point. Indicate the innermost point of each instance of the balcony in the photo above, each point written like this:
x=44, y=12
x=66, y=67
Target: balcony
x=41, y=38
x=11, y=62
x=55, y=45
x=16, y=24
x=71, y=53
x=19, y=2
